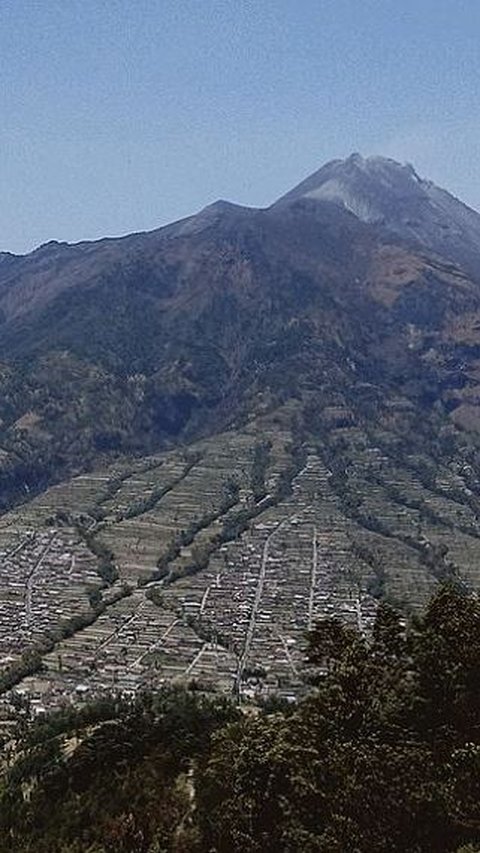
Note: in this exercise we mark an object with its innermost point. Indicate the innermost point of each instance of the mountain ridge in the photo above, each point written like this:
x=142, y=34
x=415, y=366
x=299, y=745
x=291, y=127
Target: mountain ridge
x=176, y=322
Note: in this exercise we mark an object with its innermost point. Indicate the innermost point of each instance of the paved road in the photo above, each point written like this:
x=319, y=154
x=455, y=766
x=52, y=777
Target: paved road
x=31, y=578
x=313, y=579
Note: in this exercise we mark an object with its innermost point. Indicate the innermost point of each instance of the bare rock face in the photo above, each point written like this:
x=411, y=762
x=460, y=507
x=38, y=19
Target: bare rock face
x=381, y=191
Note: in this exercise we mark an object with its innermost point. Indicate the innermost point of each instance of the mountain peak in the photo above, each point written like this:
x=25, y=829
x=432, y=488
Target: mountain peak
x=380, y=191
x=360, y=184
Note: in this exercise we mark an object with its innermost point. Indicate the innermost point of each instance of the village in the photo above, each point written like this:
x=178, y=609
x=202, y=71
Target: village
x=237, y=626
x=45, y=578
x=234, y=619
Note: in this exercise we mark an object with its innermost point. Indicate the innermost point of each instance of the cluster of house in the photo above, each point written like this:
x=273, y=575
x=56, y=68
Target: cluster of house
x=46, y=576
x=239, y=625
x=263, y=592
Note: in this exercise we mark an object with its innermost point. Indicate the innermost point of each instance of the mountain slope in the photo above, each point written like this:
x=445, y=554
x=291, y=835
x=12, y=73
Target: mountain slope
x=125, y=346
x=259, y=416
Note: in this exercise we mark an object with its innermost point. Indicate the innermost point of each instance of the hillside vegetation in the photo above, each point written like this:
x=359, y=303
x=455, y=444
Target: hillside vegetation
x=128, y=346
x=383, y=755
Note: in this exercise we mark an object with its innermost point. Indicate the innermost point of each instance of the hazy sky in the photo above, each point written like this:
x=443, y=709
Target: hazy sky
x=122, y=115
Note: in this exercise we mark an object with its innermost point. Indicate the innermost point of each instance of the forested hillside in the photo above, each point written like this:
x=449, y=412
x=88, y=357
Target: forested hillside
x=383, y=756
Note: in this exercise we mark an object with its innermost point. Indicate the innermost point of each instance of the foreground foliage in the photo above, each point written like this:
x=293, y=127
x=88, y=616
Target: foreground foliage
x=384, y=755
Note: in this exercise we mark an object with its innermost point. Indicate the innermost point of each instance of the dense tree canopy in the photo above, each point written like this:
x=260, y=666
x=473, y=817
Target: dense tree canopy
x=383, y=755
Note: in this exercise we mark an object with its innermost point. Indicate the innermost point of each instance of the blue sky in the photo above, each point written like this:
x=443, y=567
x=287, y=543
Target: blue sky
x=119, y=116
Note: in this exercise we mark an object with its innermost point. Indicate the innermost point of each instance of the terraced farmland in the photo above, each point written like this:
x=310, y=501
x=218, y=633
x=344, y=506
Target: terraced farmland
x=208, y=565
